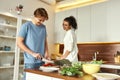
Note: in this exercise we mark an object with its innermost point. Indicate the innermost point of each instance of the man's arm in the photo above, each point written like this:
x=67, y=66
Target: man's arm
x=21, y=45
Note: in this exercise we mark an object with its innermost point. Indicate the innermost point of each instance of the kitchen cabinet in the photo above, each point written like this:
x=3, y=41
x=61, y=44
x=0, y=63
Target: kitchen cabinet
x=59, y=17
x=9, y=27
x=84, y=24
x=99, y=22
x=32, y=76
x=113, y=20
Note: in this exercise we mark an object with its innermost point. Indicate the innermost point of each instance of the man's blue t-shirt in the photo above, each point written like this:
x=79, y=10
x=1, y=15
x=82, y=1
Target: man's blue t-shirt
x=34, y=38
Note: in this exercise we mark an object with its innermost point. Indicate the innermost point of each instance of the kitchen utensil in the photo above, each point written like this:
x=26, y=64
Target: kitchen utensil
x=47, y=61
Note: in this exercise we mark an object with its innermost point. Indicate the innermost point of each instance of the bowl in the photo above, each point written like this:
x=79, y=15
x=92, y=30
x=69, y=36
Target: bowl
x=91, y=68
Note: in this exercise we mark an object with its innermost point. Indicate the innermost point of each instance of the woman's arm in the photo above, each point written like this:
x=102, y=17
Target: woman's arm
x=65, y=55
x=47, y=55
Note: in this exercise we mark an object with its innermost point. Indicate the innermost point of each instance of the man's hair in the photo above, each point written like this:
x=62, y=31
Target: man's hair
x=41, y=12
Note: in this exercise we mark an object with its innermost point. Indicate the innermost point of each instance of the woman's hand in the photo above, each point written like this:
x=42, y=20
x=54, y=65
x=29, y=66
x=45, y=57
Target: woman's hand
x=62, y=57
x=47, y=56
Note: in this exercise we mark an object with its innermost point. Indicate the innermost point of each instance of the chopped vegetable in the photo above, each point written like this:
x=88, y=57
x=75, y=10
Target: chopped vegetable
x=49, y=64
x=62, y=62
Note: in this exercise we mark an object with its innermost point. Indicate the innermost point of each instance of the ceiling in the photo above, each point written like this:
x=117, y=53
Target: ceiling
x=58, y=1
x=69, y=4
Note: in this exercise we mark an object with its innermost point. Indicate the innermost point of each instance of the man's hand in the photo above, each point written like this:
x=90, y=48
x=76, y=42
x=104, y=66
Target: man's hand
x=37, y=56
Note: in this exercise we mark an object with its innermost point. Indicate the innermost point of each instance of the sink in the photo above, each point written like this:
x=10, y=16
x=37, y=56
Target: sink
x=112, y=66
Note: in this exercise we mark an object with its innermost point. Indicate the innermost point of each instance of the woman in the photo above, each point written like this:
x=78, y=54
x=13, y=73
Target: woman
x=70, y=41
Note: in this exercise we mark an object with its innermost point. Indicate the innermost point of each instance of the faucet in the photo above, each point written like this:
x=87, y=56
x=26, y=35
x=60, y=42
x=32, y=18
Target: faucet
x=95, y=56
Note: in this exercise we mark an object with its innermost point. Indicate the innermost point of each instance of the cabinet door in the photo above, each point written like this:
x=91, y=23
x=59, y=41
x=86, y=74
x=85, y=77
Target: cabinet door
x=59, y=17
x=83, y=32
x=113, y=14
x=32, y=76
x=99, y=22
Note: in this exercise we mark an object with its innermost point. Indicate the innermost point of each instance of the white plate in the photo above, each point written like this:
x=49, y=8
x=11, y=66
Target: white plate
x=48, y=69
x=105, y=76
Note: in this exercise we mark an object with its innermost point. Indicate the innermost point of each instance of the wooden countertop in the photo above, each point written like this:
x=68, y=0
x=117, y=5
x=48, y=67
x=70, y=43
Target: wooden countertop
x=57, y=75
x=94, y=43
x=99, y=43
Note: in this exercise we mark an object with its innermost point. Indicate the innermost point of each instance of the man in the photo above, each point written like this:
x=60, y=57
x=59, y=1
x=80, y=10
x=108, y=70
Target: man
x=32, y=39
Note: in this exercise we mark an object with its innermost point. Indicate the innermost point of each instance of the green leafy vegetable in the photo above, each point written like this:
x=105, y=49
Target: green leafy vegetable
x=96, y=62
x=70, y=71
x=74, y=70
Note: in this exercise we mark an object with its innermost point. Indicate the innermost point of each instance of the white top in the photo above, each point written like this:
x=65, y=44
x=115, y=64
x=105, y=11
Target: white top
x=70, y=44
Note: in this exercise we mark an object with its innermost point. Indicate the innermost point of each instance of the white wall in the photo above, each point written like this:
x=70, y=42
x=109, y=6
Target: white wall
x=29, y=7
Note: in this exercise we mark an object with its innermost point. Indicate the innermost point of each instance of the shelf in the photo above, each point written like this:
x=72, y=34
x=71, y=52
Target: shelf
x=8, y=26
x=10, y=37
x=11, y=52
x=1, y=30
x=21, y=66
x=5, y=67
x=7, y=52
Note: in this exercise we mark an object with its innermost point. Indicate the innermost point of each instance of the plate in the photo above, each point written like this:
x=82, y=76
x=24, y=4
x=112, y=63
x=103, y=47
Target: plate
x=48, y=69
x=105, y=76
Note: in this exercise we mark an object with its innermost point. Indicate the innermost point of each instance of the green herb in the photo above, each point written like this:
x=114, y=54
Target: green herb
x=70, y=71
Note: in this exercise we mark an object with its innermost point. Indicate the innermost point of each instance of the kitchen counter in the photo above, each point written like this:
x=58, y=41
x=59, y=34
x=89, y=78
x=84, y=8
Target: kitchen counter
x=99, y=43
x=33, y=74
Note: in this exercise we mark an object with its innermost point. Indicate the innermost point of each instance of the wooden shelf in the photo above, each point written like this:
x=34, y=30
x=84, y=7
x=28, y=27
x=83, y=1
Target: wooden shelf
x=10, y=37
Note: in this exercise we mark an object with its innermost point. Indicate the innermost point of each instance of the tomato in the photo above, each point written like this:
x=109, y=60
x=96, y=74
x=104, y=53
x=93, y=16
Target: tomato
x=48, y=64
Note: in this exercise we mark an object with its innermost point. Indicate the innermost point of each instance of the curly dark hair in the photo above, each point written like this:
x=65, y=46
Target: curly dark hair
x=71, y=21
x=41, y=12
